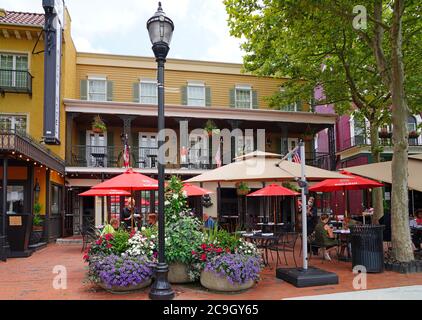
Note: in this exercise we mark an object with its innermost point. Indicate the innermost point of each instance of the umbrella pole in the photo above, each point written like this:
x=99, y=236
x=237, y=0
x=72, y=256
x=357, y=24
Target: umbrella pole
x=132, y=208
x=304, y=208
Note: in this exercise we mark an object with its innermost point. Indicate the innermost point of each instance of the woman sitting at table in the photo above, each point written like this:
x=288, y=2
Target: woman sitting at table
x=111, y=228
x=324, y=236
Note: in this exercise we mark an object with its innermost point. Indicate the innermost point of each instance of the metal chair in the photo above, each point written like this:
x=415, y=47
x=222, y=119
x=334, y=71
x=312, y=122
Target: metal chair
x=285, y=243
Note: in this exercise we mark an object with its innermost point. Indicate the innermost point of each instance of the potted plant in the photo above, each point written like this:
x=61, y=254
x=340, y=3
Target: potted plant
x=121, y=273
x=231, y=272
x=242, y=188
x=183, y=234
x=98, y=125
x=384, y=133
x=210, y=127
x=37, y=224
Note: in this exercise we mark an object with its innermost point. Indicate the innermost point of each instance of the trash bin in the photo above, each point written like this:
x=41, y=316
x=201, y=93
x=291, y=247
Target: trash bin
x=367, y=247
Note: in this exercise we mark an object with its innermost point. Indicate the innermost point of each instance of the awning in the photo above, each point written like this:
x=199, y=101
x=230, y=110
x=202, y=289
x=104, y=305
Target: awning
x=382, y=172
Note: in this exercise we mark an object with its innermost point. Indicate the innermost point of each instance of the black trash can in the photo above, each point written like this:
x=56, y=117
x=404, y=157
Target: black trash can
x=367, y=247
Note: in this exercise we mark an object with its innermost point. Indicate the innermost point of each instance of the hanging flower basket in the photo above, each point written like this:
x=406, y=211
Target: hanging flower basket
x=242, y=189
x=414, y=134
x=98, y=125
x=384, y=134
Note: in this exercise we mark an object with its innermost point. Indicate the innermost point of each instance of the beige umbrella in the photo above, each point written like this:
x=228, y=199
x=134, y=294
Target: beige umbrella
x=261, y=166
x=382, y=172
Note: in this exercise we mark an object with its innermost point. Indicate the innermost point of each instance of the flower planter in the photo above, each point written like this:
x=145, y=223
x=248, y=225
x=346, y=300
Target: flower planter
x=179, y=273
x=35, y=236
x=385, y=134
x=119, y=289
x=97, y=130
x=213, y=281
x=241, y=192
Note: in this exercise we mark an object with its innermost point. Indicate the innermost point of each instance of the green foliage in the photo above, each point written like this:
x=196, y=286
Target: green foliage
x=37, y=220
x=222, y=238
x=291, y=186
x=98, y=123
x=37, y=208
x=176, y=201
x=182, y=237
x=313, y=44
x=120, y=242
x=210, y=126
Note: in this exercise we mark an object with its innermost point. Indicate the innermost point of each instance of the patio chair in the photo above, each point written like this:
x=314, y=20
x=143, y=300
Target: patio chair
x=286, y=243
x=88, y=235
x=314, y=247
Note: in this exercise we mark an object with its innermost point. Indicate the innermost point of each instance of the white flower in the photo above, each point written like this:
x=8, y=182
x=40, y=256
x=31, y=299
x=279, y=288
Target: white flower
x=185, y=194
x=166, y=203
x=152, y=236
x=173, y=216
x=175, y=196
x=143, y=228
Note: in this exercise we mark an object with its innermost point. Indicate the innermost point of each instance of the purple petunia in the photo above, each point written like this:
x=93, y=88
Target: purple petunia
x=237, y=268
x=121, y=271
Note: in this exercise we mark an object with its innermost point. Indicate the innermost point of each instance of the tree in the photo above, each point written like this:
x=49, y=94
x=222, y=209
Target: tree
x=319, y=43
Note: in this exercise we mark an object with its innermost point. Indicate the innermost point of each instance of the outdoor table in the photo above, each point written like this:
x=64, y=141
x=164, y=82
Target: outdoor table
x=266, y=226
x=344, y=237
x=263, y=241
x=99, y=159
x=232, y=220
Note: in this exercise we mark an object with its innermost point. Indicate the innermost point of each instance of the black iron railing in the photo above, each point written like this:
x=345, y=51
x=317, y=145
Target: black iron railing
x=16, y=81
x=361, y=140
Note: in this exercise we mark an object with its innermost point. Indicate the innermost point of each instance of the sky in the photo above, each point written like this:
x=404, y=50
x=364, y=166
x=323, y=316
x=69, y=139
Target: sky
x=119, y=27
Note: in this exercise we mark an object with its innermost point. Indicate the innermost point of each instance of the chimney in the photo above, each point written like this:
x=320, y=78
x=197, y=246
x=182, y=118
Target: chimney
x=2, y=12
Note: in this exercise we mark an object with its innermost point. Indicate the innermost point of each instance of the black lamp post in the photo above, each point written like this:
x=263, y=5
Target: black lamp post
x=160, y=29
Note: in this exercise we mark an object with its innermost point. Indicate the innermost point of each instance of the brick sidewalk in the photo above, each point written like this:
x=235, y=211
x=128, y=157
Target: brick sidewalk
x=32, y=278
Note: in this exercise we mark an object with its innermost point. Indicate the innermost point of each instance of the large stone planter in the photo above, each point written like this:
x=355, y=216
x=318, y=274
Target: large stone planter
x=213, y=281
x=115, y=289
x=179, y=273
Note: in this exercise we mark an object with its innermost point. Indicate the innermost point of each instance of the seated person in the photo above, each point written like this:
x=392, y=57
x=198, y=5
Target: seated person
x=348, y=222
x=324, y=236
x=152, y=220
x=209, y=222
x=126, y=214
x=417, y=235
x=110, y=228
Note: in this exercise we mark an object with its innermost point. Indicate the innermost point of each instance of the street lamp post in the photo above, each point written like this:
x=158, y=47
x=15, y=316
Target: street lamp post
x=160, y=29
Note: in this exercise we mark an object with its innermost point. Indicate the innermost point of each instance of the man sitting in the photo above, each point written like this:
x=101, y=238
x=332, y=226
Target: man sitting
x=324, y=236
x=209, y=222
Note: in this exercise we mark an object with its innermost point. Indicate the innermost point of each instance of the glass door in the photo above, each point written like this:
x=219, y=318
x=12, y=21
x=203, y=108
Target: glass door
x=148, y=146
x=96, y=149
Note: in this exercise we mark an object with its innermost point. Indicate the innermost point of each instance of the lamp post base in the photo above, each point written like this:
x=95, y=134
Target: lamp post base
x=161, y=289
x=310, y=277
x=4, y=249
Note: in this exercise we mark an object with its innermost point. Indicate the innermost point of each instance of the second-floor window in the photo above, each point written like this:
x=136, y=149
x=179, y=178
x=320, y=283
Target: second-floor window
x=243, y=97
x=196, y=94
x=13, y=123
x=148, y=92
x=13, y=70
x=97, y=89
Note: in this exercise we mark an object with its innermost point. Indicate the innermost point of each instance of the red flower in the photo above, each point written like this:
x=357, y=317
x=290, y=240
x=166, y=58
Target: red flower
x=203, y=246
x=99, y=241
x=132, y=233
x=109, y=245
x=228, y=250
x=86, y=257
x=203, y=257
x=193, y=252
x=219, y=250
x=108, y=236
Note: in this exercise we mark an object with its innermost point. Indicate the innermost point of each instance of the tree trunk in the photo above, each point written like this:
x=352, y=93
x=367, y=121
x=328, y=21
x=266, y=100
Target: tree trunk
x=401, y=241
x=377, y=193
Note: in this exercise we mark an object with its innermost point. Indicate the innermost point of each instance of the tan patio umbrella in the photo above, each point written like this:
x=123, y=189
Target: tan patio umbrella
x=261, y=166
x=382, y=172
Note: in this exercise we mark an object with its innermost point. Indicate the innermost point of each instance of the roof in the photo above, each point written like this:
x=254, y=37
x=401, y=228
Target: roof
x=22, y=18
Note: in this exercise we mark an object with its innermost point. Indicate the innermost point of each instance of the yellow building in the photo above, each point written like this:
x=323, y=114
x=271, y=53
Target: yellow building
x=31, y=171
x=121, y=93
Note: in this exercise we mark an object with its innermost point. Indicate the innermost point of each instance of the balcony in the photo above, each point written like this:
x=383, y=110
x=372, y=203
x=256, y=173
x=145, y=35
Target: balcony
x=21, y=143
x=361, y=140
x=140, y=157
x=15, y=81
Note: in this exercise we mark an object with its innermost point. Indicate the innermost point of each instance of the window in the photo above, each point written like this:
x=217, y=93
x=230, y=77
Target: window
x=360, y=131
x=243, y=97
x=148, y=94
x=411, y=124
x=13, y=70
x=294, y=107
x=196, y=94
x=148, y=146
x=13, y=123
x=56, y=199
x=15, y=199
x=97, y=89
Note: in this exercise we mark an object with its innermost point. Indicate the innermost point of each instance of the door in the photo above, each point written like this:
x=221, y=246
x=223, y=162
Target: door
x=198, y=150
x=148, y=146
x=96, y=149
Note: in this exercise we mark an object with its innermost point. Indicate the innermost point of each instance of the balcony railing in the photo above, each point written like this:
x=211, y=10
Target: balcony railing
x=16, y=81
x=361, y=140
x=140, y=157
x=320, y=160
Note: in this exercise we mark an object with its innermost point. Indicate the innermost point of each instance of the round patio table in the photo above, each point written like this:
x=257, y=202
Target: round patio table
x=345, y=241
x=262, y=241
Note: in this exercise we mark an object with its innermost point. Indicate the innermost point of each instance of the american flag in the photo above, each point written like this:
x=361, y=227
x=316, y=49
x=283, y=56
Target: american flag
x=126, y=157
x=296, y=156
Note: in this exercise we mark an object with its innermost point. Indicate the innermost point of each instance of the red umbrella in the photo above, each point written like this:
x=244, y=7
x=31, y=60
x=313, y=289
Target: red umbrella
x=130, y=180
x=195, y=191
x=273, y=190
x=351, y=183
x=104, y=193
